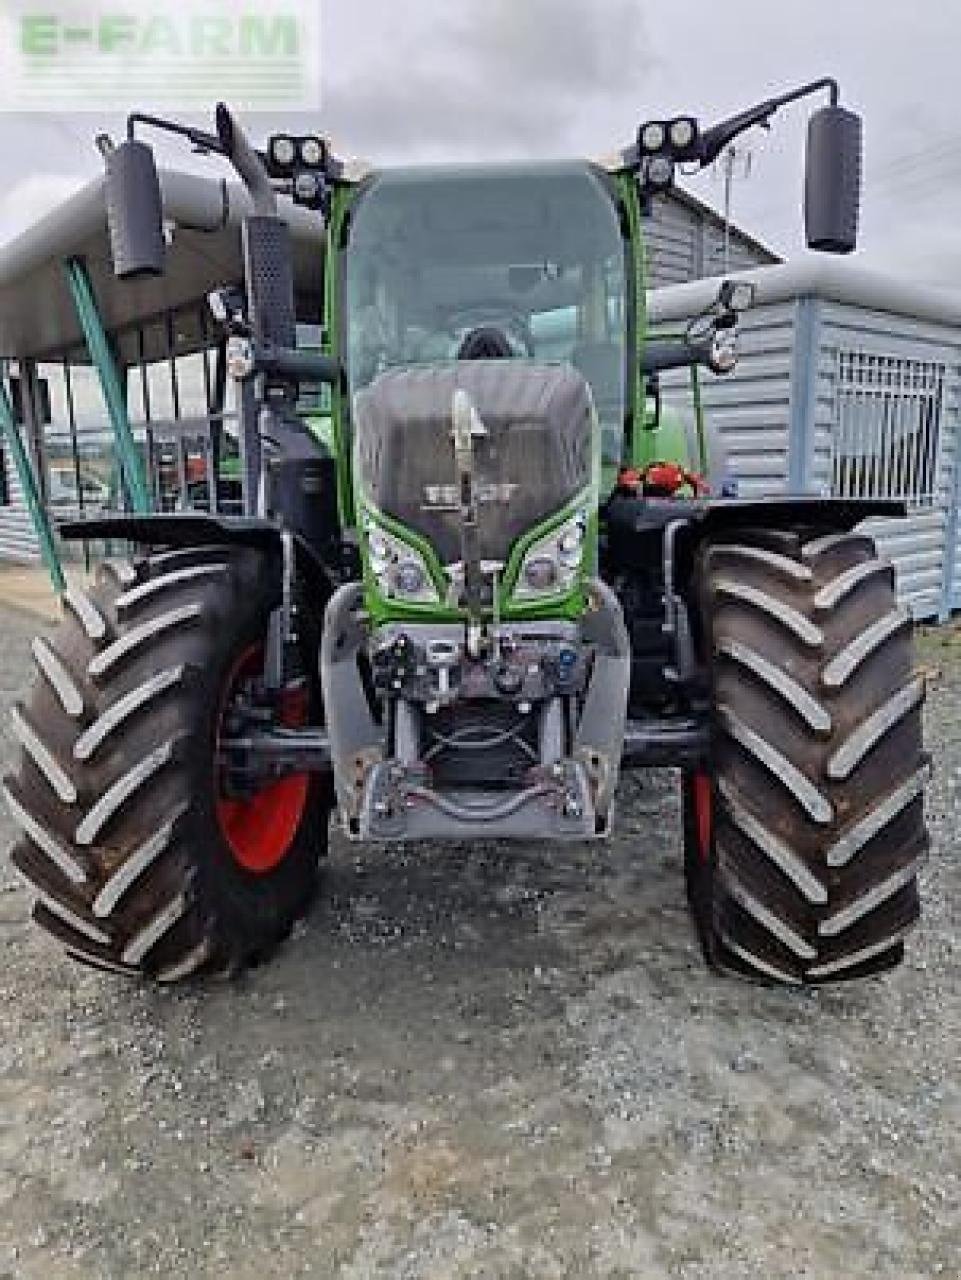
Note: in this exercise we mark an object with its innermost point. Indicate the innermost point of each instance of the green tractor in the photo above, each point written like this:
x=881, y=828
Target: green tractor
x=499, y=567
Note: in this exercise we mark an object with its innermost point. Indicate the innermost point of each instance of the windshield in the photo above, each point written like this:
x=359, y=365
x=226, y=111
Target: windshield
x=534, y=255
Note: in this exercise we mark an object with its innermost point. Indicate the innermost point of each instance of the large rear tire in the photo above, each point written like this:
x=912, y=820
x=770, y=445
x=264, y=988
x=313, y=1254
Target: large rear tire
x=803, y=842
x=138, y=859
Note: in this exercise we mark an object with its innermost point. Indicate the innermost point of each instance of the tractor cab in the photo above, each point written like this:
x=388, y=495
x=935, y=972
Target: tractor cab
x=524, y=263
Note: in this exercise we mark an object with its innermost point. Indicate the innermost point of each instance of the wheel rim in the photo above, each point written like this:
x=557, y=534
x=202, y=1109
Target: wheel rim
x=260, y=829
x=703, y=796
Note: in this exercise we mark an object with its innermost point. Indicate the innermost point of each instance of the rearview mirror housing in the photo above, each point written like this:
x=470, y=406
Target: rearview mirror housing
x=134, y=211
x=832, y=189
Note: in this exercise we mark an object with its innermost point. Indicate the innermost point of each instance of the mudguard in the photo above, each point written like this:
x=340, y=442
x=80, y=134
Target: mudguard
x=630, y=521
x=191, y=529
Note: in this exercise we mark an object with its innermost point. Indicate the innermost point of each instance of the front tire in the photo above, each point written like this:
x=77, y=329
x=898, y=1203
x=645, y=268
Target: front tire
x=126, y=839
x=803, y=842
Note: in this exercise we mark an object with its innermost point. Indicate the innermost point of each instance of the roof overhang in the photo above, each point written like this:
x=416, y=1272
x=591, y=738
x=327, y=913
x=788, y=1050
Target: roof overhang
x=36, y=312
x=814, y=275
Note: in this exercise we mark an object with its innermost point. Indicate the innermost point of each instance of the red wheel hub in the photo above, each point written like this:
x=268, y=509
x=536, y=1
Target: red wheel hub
x=260, y=829
x=703, y=795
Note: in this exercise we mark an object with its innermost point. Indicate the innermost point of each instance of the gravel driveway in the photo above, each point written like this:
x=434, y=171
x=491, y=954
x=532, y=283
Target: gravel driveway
x=478, y=1062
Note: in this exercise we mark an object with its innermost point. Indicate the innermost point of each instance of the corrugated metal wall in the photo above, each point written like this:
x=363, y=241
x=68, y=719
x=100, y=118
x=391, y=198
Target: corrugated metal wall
x=684, y=244
x=671, y=241
x=919, y=545
x=749, y=411
x=777, y=417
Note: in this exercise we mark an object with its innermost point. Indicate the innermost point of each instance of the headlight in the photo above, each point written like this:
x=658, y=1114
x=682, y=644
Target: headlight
x=551, y=565
x=400, y=570
x=540, y=574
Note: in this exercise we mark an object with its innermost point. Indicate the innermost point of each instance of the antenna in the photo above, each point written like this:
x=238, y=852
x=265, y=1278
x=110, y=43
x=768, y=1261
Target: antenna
x=736, y=163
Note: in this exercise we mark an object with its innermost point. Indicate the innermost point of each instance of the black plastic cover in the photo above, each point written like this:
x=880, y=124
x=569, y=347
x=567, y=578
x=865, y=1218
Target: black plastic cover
x=535, y=457
x=134, y=211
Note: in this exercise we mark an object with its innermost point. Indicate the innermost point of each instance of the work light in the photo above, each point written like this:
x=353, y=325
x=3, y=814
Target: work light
x=660, y=171
x=282, y=151
x=307, y=187
x=682, y=133
x=742, y=295
x=653, y=136
x=311, y=152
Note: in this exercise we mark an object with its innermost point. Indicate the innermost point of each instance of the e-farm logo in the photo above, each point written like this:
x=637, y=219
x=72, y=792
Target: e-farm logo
x=96, y=56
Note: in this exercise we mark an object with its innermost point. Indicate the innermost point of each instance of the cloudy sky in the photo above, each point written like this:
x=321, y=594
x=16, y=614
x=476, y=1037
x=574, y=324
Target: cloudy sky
x=448, y=79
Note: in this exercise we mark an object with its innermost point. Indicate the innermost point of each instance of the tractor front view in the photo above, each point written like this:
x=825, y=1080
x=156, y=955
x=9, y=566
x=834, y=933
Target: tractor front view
x=500, y=567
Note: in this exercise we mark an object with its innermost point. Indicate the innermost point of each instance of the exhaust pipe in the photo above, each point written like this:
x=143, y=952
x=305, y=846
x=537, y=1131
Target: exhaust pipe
x=250, y=168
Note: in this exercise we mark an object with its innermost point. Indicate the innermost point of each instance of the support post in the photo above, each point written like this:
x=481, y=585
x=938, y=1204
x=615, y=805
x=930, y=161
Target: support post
x=31, y=492
x=952, y=527
x=99, y=348
x=803, y=402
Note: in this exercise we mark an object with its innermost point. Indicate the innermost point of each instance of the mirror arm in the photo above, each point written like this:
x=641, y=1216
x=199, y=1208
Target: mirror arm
x=229, y=141
x=200, y=139
x=665, y=353
x=290, y=363
x=713, y=141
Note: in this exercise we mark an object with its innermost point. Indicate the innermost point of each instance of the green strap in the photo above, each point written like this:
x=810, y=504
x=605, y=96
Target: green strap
x=113, y=393
x=31, y=492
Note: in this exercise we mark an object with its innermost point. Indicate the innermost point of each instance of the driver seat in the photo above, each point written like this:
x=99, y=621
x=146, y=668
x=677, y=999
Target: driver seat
x=485, y=343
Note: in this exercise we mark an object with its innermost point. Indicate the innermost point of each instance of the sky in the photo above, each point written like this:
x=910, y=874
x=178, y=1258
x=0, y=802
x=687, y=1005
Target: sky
x=472, y=79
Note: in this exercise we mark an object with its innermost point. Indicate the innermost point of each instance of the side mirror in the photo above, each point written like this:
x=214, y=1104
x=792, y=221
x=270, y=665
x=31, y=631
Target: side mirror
x=134, y=211
x=832, y=192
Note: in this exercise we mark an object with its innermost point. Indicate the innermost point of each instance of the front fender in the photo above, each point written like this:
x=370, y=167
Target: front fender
x=635, y=526
x=193, y=529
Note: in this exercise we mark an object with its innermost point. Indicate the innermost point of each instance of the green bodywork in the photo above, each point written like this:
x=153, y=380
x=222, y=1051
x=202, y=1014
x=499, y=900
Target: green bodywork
x=644, y=439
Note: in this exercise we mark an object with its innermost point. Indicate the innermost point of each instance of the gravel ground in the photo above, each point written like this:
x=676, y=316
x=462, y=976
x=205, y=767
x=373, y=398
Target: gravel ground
x=473, y=1062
